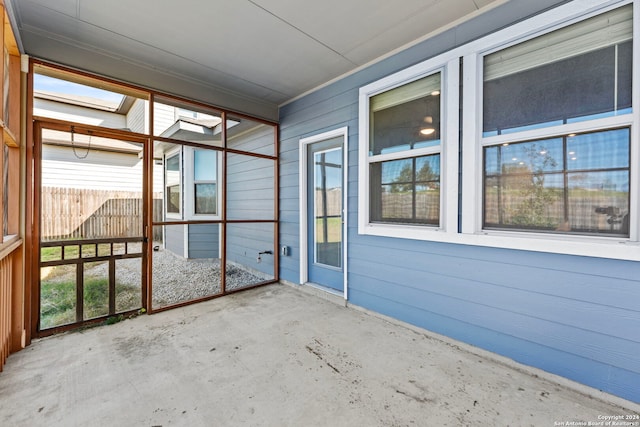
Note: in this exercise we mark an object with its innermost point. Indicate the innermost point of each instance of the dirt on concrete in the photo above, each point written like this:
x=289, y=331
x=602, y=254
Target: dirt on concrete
x=275, y=356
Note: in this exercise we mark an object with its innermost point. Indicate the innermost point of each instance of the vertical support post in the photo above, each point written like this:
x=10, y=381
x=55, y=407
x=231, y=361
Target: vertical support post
x=112, y=286
x=223, y=237
x=147, y=214
x=80, y=289
x=276, y=204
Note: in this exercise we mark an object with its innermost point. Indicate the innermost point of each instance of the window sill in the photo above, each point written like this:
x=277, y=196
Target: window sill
x=404, y=231
x=203, y=217
x=599, y=247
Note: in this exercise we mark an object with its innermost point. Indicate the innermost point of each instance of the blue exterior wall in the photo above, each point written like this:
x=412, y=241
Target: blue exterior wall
x=204, y=241
x=251, y=196
x=577, y=317
x=174, y=238
x=245, y=241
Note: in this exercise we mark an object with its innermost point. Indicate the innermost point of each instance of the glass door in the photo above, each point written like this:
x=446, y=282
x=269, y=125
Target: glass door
x=325, y=213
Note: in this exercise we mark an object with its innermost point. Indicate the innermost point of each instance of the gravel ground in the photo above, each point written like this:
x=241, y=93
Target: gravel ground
x=175, y=279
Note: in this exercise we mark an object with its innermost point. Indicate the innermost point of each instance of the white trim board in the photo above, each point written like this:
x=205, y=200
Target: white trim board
x=303, y=198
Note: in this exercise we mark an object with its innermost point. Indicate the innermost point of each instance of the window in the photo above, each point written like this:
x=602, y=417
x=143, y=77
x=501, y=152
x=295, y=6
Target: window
x=406, y=190
x=408, y=134
x=584, y=74
x=550, y=136
x=205, y=165
x=191, y=183
x=173, y=185
x=550, y=139
x=403, y=121
x=576, y=183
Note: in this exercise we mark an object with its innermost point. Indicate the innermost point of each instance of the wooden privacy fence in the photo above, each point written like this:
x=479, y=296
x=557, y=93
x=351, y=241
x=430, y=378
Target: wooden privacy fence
x=79, y=213
x=333, y=201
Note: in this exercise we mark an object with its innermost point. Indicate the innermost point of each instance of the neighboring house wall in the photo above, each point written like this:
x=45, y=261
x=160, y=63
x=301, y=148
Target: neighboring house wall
x=204, y=241
x=174, y=238
x=137, y=118
x=573, y=316
x=78, y=195
x=78, y=114
x=163, y=117
x=102, y=170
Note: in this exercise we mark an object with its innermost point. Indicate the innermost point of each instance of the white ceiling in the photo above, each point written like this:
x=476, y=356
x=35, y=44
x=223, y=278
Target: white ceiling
x=264, y=51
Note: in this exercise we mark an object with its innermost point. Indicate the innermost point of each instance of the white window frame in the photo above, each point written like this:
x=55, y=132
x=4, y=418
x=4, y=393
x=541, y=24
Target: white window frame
x=471, y=231
x=474, y=142
x=172, y=153
x=448, y=66
x=189, y=178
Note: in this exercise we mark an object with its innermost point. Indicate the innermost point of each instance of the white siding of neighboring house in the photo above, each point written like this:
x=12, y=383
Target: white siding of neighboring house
x=163, y=117
x=137, y=117
x=78, y=114
x=99, y=170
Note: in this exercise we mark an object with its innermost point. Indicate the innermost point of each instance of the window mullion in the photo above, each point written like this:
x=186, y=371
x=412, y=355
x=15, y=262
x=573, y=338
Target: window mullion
x=471, y=131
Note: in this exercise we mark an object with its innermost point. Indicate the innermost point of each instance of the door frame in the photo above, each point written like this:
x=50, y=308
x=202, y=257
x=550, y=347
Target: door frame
x=39, y=124
x=303, y=198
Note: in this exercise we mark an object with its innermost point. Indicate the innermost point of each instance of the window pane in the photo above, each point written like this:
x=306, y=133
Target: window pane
x=327, y=207
x=428, y=168
x=205, y=165
x=173, y=163
x=206, y=198
x=172, y=182
x=406, y=190
x=524, y=201
x=407, y=117
x=599, y=202
x=173, y=199
x=537, y=156
x=584, y=73
x=599, y=150
x=579, y=185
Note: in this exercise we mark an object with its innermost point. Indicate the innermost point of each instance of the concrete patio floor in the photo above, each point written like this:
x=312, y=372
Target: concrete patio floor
x=276, y=356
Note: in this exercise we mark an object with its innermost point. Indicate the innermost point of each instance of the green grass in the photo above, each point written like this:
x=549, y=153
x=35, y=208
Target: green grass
x=58, y=300
x=72, y=251
x=58, y=286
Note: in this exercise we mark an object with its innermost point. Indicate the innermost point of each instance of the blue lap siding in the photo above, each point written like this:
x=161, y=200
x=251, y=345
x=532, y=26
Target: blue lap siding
x=578, y=317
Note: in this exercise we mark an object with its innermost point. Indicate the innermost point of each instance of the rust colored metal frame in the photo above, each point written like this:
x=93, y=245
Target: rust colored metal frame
x=33, y=190
x=224, y=221
x=33, y=242
x=35, y=154
x=82, y=259
x=29, y=210
x=147, y=274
